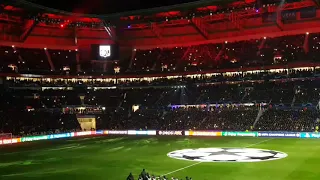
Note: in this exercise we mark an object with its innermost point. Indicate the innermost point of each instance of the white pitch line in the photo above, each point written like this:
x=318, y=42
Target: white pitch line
x=47, y=149
x=260, y=142
x=182, y=168
x=66, y=147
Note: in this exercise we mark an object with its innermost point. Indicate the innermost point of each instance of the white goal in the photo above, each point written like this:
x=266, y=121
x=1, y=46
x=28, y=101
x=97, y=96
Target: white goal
x=5, y=136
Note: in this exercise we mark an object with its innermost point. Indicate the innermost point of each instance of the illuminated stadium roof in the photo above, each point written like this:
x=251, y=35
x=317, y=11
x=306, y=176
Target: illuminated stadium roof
x=43, y=6
x=187, y=22
x=106, y=7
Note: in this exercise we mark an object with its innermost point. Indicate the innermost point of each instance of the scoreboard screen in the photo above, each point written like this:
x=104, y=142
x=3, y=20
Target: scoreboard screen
x=105, y=52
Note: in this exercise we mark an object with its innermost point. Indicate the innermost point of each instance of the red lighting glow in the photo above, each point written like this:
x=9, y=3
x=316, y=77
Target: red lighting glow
x=61, y=25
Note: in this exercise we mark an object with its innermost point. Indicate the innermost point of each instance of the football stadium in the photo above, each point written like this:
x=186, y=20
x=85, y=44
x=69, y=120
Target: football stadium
x=191, y=90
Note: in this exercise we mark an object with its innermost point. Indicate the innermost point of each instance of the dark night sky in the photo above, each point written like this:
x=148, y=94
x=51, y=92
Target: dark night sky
x=105, y=6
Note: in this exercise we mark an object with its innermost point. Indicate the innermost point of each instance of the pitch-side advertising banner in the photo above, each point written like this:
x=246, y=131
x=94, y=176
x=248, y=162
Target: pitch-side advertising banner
x=142, y=132
x=205, y=133
x=7, y=141
x=170, y=133
x=16, y=140
x=34, y=138
x=279, y=134
x=114, y=132
x=58, y=136
x=85, y=133
x=99, y=132
x=10, y=141
x=235, y=133
x=309, y=135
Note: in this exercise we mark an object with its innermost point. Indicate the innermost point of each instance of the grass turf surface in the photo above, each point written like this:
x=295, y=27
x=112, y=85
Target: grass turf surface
x=112, y=158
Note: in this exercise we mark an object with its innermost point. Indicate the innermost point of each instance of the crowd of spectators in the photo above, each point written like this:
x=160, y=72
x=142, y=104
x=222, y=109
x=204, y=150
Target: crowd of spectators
x=233, y=119
x=297, y=93
x=250, y=53
x=266, y=51
x=36, y=61
x=263, y=106
x=273, y=75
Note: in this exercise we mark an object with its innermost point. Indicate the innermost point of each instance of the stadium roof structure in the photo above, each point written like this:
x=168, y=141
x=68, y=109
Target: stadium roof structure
x=105, y=7
x=151, y=11
x=195, y=22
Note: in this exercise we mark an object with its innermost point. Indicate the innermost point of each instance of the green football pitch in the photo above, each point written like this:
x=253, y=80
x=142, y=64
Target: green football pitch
x=113, y=158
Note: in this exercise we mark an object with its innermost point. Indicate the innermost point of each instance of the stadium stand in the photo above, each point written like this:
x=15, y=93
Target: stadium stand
x=250, y=53
x=223, y=103
x=285, y=50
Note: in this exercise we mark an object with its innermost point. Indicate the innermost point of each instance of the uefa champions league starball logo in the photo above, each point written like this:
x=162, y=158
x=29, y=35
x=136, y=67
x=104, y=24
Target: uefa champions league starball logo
x=227, y=155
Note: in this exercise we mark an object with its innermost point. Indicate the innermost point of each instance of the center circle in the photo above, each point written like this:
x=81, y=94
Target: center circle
x=227, y=155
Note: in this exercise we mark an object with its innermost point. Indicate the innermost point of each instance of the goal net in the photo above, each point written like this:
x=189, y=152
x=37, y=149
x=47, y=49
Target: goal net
x=5, y=136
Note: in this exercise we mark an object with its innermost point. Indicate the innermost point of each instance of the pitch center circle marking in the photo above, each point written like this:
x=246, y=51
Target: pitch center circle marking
x=227, y=155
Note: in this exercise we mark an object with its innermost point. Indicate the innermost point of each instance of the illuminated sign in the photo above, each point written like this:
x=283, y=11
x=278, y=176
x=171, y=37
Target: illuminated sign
x=33, y=138
x=205, y=133
x=170, y=133
x=84, y=133
x=249, y=134
x=6, y=141
x=16, y=140
x=309, y=135
x=99, y=132
x=164, y=133
x=279, y=134
x=141, y=132
x=104, y=51
x=118, y=132
x=57, y=136
x=148, y=132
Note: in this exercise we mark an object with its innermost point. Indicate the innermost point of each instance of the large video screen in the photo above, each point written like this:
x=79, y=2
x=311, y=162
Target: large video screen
x=105, y=52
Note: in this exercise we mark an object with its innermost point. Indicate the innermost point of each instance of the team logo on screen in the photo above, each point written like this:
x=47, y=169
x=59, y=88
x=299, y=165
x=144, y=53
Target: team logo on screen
x=105, y=51
x=227, y=155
